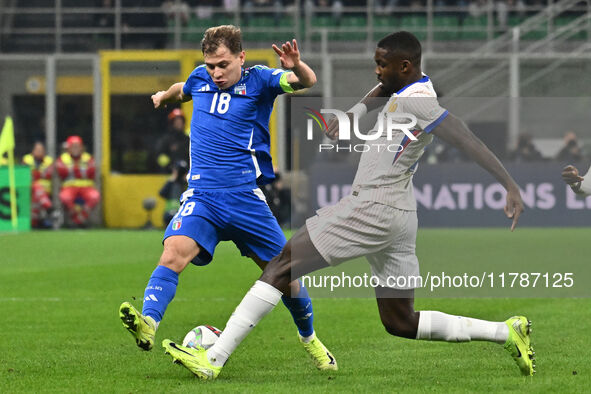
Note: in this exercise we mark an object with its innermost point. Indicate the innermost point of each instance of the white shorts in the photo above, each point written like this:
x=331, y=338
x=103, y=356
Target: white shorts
x=386, y=236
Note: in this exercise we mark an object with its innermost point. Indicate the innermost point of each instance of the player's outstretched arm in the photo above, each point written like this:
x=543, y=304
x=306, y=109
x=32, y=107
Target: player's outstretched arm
x=580, y=185
x=174, y=94
x=455, y=132
x=302, y=75
x=368, y=103
x=570, y=175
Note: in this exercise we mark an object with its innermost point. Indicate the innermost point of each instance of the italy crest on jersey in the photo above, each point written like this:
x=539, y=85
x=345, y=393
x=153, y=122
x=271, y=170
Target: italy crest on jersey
x=240, y=89
x=177, y=224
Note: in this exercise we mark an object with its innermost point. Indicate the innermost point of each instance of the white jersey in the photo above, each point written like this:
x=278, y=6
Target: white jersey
x=385, y=175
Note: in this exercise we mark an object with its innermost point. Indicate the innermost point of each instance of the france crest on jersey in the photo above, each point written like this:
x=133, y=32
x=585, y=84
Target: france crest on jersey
x=230, y=141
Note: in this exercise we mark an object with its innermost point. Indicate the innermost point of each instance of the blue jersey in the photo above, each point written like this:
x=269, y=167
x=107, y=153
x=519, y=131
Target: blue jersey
x=230, y=141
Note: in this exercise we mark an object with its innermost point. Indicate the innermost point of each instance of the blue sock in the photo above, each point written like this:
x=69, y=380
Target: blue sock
x=159, y=292
x=300, y=308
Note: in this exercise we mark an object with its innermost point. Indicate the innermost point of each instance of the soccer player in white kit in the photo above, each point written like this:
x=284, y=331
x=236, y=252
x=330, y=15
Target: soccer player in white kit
x=378, y=220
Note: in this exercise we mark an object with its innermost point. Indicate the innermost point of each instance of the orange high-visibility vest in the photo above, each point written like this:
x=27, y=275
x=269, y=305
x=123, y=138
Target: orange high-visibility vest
x=41, y=172
x=77, y=173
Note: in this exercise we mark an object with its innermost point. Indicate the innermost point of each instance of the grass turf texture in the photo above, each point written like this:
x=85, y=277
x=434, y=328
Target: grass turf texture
x=60, y=331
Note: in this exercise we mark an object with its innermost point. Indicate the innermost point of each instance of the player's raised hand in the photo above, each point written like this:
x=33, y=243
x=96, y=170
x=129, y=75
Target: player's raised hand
x=570, y=175
x=514, y=206
x=289, y=54
x=157, y=99
x=332, y=130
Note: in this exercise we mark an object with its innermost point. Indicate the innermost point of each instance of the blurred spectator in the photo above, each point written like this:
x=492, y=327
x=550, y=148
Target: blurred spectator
x=279, y=200
x=76, y=169
x=174, y=145
x=517, y=7
x=571, y=150
x=322, y=4
x=462, y=10
x=526, y=150
x=502, y=11
x=151, y=18
x=41, y=172
x=476, y=8
x=417, y=6
x=249, y=9
x=278, y=11
x=308, y=9
x=230, y=6
x=105, y=20
x=332, y=8
x=387, y=7
x=173, y=189
x=337, y=11
x=204, y=9
x=171, y=8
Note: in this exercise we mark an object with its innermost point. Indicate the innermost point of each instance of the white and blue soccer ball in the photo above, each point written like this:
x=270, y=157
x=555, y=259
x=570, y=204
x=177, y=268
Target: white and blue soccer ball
x=202, y=337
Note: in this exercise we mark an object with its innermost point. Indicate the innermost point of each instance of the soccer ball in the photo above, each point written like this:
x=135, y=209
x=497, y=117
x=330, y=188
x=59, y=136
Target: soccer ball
x=201, y=337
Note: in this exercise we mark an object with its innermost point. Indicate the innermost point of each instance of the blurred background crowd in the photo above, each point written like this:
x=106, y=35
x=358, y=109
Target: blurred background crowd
x=471, y=48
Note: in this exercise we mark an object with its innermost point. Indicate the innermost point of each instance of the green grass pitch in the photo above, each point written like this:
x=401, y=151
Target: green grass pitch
x=60, y=331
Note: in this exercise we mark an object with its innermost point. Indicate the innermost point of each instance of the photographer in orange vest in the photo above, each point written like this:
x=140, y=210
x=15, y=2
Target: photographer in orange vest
x=41, y=171
x=173, y=146
x=76, y=169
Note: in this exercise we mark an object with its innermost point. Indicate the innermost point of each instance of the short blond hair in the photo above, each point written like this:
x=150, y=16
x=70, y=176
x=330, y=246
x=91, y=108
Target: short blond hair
x=228, y=35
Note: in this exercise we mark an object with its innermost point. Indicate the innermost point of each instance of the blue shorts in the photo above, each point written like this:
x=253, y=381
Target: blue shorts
x=243, y=217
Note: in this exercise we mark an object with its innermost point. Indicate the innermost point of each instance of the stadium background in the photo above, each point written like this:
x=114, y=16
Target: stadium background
x=88, y=68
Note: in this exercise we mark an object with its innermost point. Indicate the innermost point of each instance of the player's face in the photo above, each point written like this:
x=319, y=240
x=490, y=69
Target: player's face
x=224, y=67
x=390, y=69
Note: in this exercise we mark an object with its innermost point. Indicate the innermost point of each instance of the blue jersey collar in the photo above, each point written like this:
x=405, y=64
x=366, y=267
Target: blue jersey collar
x=422, y=80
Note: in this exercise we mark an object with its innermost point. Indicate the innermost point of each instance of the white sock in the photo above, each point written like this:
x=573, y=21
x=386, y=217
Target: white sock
x=156, y=323
x=256, y=304
x=438, y=326
x=308, y=338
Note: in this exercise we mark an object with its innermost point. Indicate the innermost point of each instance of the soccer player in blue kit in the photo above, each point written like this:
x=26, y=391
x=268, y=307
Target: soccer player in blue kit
x=229, y=158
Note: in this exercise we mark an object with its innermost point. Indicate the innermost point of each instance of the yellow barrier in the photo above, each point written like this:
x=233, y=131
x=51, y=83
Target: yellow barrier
x=123, y=197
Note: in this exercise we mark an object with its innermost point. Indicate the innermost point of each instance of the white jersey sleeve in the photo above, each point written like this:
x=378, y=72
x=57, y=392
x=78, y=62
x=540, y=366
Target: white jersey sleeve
x=426, y=108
